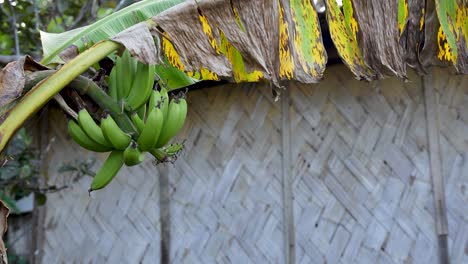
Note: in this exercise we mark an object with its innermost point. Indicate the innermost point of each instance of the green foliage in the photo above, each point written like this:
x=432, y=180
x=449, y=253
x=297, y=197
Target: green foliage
x=51, y=16
x=172, y=78
x=19, y=169
x=14, y=258
x=20, y=172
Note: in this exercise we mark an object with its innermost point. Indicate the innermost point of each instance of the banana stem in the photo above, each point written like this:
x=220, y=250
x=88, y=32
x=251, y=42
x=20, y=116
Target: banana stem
x=158, y=154
x=105, y=102
x=86, y=86
x=45, y=90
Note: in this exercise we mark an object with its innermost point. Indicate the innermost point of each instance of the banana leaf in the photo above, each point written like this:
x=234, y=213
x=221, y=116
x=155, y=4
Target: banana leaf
x=402, y=14
x=379, y=37
x=238, y=40
x=302, y=53
x=413, y=31
x=172, y=78
x=343, y=30
x=53, y=44
x=281, y=40
x=219, y=57
x=452, y=38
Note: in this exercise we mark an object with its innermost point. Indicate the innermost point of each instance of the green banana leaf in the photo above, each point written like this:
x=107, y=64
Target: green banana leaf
x=53, y=44
x=109, y=26
x=452, y=37
x=402, y=14
x=343, y=29
x=172, y=78
x=301, y=49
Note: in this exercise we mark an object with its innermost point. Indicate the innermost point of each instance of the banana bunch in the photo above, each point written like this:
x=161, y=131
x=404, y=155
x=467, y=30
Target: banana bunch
x=103, y=138
x=156, y=117
x=130, y=82
x=161, y=119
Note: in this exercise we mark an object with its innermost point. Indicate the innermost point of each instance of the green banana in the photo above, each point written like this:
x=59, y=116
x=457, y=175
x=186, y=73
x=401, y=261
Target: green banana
x=141, y=87
x=132, y=69
x=109, y=169
x=164, y=102
x=111, y=82
x=137, y=121
x=142, y=112
x=172, y=123
x=113, y=133
x=174, y=148
x=150, y=133
x=129, y=75
x=182, y=115
x=119, y=78
x=125, y=75
x=154, y=99
x=132, y=155
x=80, y=137
x=132, y=63
x=90, y=127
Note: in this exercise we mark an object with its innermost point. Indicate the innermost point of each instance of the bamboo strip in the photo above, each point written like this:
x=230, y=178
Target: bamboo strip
x=438, y=185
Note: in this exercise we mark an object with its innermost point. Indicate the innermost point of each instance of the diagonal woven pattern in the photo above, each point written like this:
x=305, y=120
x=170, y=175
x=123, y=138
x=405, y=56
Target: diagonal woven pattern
x=361, y=174
x=361, y=184
x=226, y=187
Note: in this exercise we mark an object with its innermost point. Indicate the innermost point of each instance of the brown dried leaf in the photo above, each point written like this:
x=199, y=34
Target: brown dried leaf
x=379, y=37
x=190, y=40
x=12, y=78
x=428, y=54
x=241, y=39
x=11, y=82
x=69, y=53
x=4, y=212
x=414, y=33
x=138, y=40
x=252, y=28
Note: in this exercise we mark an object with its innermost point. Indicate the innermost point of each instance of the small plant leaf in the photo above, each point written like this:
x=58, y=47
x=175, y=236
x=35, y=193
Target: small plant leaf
x=40, y=198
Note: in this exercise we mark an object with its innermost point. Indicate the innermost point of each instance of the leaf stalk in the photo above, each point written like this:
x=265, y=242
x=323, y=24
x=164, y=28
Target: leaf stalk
x=46, y=89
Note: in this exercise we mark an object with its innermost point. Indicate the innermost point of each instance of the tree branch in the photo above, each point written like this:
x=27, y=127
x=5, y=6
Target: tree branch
x=5, y=59
x=36, y=15
x=83, y=11
x=122, y=4
x=15, y=29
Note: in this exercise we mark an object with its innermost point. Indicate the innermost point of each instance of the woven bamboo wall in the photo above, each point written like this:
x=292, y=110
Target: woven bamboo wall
x=359, y=178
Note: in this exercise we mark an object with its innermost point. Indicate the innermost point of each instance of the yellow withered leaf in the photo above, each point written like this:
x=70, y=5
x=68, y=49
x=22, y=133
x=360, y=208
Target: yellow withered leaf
x=343, y=29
